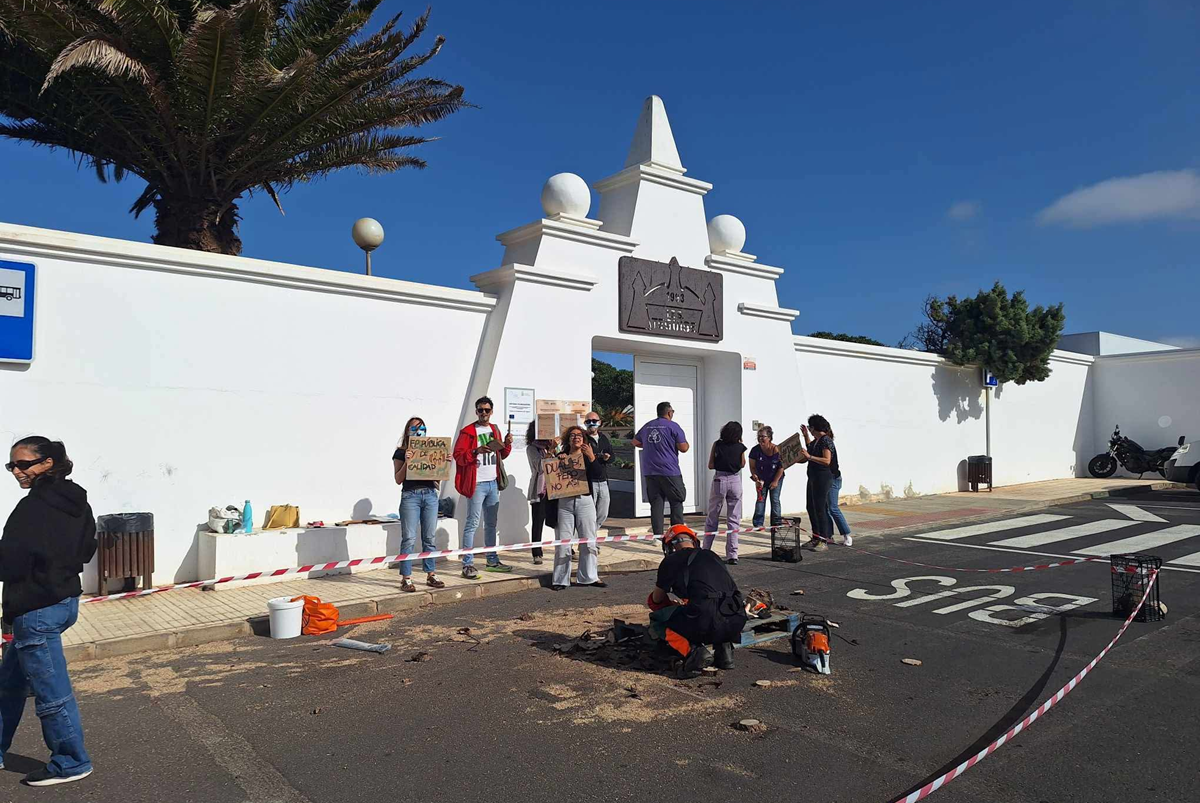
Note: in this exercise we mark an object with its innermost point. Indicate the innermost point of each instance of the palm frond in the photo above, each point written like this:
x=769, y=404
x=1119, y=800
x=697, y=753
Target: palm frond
x=150, y=23
x=100, y=53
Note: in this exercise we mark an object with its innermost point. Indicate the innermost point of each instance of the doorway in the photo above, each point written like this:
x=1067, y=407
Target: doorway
x=659, y=379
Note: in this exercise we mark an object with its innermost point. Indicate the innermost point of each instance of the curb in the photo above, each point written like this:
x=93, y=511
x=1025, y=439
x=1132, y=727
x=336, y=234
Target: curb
x=260, y=626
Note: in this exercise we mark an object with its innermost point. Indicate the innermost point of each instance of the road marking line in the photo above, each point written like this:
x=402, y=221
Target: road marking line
x=923, y=540
x=1139, y=543
x=993, y=527
x=1064, y=534
x=1136, y=513
x=1188, y=560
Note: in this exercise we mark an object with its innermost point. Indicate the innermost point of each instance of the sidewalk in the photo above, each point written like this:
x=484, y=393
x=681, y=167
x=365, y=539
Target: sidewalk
x=191, y=616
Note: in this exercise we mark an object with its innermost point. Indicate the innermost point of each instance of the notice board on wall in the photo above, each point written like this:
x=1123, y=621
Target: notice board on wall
x=553, y=416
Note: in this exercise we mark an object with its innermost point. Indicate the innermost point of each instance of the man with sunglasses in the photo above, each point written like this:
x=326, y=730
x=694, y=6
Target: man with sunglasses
x=597, y=471
x=477, y=455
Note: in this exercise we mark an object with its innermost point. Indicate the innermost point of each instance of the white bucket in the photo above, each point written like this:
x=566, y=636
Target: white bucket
x=285, y=616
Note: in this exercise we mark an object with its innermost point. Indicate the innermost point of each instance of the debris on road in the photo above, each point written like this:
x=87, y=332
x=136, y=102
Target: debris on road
x=910, y=661
x=352, y=644
x=799, y=592
x=316, y=711
x=763, y=684
x=420, y=657
x=750, y=726
x=709, y=670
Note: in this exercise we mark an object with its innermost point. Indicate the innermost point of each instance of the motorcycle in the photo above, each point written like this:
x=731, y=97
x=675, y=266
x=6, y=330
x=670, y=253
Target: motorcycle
x=1130, y=455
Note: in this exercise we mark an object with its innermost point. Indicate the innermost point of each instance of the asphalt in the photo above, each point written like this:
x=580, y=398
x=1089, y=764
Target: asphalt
x=496, y=712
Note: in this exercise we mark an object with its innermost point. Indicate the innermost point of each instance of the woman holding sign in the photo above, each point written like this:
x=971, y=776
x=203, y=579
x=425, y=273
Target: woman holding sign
x=576, y=512
x=543, y=511
x=418, y=510
x=822, y=468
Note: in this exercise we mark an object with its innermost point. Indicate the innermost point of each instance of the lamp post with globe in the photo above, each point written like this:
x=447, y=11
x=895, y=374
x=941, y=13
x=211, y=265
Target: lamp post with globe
x=368, y=235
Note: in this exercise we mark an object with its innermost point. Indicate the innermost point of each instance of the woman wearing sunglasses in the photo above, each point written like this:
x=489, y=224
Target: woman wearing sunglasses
x=577, y=519
x=50, y=535
x=418, y=510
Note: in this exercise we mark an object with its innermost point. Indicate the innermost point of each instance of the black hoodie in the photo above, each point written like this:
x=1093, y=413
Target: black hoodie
x=49, y=536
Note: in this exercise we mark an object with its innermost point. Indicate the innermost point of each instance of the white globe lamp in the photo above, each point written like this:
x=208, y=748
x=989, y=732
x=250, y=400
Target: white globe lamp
x=726, y=234
x=368, y=235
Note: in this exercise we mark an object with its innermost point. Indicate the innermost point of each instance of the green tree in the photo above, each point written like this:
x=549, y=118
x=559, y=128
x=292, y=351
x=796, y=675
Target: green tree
x=208, y=100
x=997, y=331
x=845, y=338
x=612, y=387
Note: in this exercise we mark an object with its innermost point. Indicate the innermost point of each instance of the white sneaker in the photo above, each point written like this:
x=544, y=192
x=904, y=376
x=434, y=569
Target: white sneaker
x=848, y=540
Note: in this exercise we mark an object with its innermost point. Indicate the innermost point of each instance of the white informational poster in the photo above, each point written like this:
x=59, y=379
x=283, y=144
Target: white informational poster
x=553, y=416
x=518, y=407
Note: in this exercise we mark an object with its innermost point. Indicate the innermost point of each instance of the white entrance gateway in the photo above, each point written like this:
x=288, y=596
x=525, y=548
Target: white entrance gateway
x=650, y=276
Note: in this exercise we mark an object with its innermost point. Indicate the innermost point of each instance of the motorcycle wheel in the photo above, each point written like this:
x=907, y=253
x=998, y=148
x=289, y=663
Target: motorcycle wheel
x=1102, y=466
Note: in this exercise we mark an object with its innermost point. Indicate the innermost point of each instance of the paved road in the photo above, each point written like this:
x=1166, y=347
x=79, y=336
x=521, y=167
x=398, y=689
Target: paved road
x=496, y=713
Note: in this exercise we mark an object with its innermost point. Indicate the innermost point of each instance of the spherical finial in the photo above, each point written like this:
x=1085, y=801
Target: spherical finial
x=726, y=233
x=367, y=233
x=566, y=194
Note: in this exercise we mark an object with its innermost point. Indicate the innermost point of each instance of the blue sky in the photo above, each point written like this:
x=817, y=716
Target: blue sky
x=879, y=152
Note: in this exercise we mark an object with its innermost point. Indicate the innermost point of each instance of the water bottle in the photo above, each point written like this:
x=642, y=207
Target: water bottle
x=247, y=518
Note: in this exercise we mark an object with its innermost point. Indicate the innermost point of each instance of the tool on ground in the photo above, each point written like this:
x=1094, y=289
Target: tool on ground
x=759, y=603
x=351, y=644
x=810, y=642
x=362, y=620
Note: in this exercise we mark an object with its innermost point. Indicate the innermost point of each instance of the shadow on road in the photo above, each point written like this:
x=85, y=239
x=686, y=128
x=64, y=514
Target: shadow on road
x=1010, y=718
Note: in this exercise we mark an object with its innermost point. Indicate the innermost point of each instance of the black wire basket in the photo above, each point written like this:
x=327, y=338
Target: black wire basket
x=1131, y=575
x=785, y=542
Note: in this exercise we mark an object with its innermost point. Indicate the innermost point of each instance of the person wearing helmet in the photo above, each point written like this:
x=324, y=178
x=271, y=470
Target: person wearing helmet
x=711, y=610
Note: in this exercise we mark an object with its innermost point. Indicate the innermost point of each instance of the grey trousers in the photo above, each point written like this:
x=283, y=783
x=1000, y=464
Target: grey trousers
x=576, y=519
x=660, y=489
x=602, y=496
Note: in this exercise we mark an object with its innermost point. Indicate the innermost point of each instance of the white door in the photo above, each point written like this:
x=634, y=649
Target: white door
x=656, y=381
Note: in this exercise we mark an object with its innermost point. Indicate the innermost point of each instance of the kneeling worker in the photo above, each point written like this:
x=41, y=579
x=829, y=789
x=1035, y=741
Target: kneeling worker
x=712, y=612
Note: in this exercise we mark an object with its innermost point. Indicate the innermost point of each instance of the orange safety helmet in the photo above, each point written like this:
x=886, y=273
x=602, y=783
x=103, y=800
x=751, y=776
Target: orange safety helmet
x=676, y=534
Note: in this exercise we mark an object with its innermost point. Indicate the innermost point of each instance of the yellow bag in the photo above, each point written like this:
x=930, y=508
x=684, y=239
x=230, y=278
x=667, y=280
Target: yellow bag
x=281, y=516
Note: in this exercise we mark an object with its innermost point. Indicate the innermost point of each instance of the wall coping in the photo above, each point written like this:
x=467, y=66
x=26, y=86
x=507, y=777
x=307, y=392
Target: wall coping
x=772, y=313
x=562, y=227
x=30, y=242
x=1151, y=356
x=839, y=348
x=514, y=272
x=746, y=267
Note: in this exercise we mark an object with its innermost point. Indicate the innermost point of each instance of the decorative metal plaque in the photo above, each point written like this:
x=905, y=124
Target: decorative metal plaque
x=660, y=298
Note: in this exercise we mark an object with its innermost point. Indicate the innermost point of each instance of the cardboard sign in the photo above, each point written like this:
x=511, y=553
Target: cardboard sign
x=429, y=459
x=554, y=416
x=566, y=476
x=790, y=449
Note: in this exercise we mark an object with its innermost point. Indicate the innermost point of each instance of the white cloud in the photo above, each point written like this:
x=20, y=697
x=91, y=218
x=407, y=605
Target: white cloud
x=964, y=210
x=1183, y=342
x=1151, y=196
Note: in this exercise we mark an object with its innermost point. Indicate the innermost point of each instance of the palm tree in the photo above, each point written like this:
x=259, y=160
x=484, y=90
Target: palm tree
x=207, y=100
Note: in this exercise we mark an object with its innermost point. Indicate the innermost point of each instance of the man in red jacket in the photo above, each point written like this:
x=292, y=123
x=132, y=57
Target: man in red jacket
x=477, y=455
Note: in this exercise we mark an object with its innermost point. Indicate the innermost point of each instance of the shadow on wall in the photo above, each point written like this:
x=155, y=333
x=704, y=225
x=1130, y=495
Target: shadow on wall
x=189, y=567
x=323, y=546
x=958, y=393
x=514, y=517
x=1084, y=445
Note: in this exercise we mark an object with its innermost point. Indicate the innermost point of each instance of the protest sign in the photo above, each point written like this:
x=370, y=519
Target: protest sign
x=789, y=450
x=553, y=416
x=429, y=459
x=566, y=476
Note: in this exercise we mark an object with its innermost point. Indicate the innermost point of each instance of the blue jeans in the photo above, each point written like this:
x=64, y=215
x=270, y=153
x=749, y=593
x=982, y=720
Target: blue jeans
x=835, y=512
x=760, y=505
x=486, y=499
x=418, y=512
x=35, y=661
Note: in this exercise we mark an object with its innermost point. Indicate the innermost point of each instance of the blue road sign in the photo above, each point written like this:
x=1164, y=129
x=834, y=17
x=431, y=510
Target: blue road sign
x=17, y=291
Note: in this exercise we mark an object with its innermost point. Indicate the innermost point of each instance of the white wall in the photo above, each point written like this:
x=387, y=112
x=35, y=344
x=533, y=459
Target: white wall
x=1154, y=397
x=906, y=417
x=180, y=380
x=1099, y=344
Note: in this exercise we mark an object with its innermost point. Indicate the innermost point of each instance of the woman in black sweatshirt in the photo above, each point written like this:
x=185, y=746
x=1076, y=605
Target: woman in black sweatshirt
x=49, y=536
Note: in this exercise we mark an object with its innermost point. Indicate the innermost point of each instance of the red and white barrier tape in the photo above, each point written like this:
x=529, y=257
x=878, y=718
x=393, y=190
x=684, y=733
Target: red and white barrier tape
x=443, y=553
x=937, y=783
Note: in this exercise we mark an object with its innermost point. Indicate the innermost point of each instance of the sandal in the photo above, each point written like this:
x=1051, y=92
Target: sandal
x=407, y=585
x=433, y=582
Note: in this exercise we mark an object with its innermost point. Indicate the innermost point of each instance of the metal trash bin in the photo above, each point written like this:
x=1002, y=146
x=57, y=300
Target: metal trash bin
x=1131, y=576
x=124, y=549
x=979, y=471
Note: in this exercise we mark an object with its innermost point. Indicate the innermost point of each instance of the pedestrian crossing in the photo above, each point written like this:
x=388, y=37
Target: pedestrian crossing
x=1137, y=531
